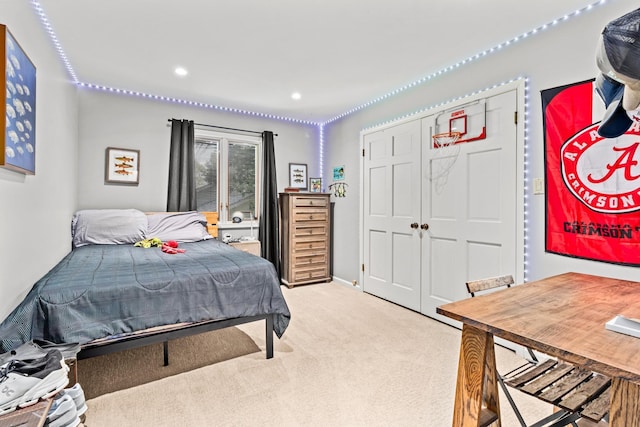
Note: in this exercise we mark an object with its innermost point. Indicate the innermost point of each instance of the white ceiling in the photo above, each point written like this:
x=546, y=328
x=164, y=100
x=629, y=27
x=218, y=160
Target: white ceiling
x=252, y=54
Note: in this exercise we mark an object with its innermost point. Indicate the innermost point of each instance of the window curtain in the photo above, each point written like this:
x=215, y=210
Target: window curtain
x=268, y=233
x=181, y=195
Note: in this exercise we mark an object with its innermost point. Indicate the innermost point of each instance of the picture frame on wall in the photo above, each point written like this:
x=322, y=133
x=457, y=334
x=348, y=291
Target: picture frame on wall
x=18, y=141
x=122, y=166
x=338, y=173
x=315, y=185
x=298, y=176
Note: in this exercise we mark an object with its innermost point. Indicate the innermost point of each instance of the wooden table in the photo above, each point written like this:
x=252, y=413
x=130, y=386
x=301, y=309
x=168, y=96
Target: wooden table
x=31, y=416
x=563, y=316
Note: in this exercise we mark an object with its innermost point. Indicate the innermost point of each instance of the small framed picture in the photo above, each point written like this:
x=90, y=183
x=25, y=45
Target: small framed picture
x=122, y=166
x=298, y=175
x=315, y=185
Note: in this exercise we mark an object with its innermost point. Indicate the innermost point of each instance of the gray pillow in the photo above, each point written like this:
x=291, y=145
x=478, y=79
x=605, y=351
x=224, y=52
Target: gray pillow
x=107, y=227
x=178, y=226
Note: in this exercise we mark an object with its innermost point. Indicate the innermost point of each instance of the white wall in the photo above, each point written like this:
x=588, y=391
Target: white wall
x=560, y=55
x=35, y=211
x=114, y=120
x=72, y=135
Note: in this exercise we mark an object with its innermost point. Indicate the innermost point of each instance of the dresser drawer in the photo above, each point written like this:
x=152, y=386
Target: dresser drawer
x=314, y=231
x=302, y=201
x=305, y=215
x=309, y=259
x=310, y=245
x=302, y=275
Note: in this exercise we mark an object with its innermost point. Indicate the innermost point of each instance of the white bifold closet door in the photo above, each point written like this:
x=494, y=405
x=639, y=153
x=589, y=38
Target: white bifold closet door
x=392, y=204
x=469, y=221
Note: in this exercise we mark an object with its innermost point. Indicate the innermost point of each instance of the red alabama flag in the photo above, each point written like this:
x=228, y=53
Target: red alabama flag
x=592, y=183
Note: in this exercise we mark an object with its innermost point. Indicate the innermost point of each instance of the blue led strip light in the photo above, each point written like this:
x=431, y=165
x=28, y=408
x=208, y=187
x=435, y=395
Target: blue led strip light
x=47, y=26
x=194, y=103
x=468, y=60
x=54, y=39
x=526, y=179
x=321, y=151
x=440, y=104
x=63, y=56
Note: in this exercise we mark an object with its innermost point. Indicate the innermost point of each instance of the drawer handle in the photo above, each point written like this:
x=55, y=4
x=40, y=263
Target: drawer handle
x=310, y=216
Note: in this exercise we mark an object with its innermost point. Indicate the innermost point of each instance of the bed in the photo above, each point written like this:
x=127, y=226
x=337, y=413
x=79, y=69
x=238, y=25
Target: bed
x=109, y=294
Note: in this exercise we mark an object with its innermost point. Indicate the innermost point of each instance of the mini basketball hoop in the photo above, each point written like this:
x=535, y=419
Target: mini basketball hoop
x=445, y=154
x=445, y=139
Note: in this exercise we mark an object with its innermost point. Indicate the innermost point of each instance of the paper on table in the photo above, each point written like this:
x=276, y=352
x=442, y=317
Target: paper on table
x=624, y=325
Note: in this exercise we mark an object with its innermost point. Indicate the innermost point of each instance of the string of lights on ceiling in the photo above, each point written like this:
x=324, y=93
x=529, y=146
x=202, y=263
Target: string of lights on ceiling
x=470, y=59
x=49, y=29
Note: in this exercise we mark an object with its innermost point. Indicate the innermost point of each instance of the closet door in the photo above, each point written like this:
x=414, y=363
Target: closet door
x=471, y=215
x=391, y=198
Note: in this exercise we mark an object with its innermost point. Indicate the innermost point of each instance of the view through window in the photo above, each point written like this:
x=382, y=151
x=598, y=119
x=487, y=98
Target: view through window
x=227, y=170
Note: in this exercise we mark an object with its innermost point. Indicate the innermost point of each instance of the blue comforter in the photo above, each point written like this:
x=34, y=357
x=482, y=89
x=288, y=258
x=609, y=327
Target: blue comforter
x=99, y=291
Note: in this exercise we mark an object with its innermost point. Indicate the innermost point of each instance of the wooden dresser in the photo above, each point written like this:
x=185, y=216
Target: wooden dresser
x=304, y=237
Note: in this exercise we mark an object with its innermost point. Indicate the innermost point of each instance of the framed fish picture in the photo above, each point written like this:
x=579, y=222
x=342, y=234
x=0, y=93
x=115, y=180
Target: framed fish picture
x=298, y=176
x=122, y=166
x=18, y=141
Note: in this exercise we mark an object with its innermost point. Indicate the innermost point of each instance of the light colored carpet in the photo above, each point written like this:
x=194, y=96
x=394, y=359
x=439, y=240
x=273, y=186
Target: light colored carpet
x=347, y=359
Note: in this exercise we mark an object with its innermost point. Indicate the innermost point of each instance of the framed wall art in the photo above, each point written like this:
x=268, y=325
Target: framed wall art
x=18, y=141
x=315, y=185
x=122, y=166
x=298, y=175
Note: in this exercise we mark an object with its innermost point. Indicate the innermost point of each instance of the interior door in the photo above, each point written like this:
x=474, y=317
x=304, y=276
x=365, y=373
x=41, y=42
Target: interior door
x=391, y=199
x=471, y=217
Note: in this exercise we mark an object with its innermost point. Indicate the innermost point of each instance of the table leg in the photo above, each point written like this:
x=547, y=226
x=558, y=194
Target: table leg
x=625, y=403
x=476, y=401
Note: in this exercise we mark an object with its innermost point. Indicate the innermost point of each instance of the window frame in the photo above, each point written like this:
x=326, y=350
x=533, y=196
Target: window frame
x=224, y=140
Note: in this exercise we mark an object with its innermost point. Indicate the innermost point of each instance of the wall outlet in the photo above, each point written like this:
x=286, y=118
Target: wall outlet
x=538, y=186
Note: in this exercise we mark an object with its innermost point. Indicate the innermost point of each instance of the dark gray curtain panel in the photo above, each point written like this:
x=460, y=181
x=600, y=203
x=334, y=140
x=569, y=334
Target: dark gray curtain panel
x=181, y=196
x=269, y=222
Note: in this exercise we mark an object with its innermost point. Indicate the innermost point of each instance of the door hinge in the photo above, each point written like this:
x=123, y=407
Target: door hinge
x=363, y=268
x=363, y=152
x=515, y=117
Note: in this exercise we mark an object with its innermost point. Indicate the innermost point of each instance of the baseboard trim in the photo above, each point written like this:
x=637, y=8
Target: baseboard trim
x=346, y=283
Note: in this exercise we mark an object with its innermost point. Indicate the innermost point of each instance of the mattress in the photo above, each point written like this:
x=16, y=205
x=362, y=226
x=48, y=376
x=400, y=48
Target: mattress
x=99, y=291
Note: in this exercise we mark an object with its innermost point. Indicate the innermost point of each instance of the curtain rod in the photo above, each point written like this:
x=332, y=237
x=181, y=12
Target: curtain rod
x=222, y=127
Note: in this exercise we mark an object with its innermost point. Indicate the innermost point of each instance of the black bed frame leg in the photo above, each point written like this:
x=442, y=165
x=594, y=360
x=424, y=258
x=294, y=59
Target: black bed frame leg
x=165, y=349
x=269, y=337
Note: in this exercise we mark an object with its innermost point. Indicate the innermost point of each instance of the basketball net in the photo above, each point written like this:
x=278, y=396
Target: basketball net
x=445, y=154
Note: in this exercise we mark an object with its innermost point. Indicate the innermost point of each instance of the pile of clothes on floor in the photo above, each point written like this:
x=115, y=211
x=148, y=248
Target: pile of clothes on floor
x=37, y=371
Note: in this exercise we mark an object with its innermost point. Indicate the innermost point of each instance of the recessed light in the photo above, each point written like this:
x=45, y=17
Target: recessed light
x=181, y=71
x=296, y=95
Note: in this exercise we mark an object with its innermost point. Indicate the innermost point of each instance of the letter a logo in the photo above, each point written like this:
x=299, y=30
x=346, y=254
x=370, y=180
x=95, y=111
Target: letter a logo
x=624, y=161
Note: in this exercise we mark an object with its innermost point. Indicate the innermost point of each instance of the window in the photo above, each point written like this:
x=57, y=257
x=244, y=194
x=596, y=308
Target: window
x=227, y=170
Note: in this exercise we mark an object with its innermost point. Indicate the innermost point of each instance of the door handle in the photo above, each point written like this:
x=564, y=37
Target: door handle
x=414, y=225
x=425, y=226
